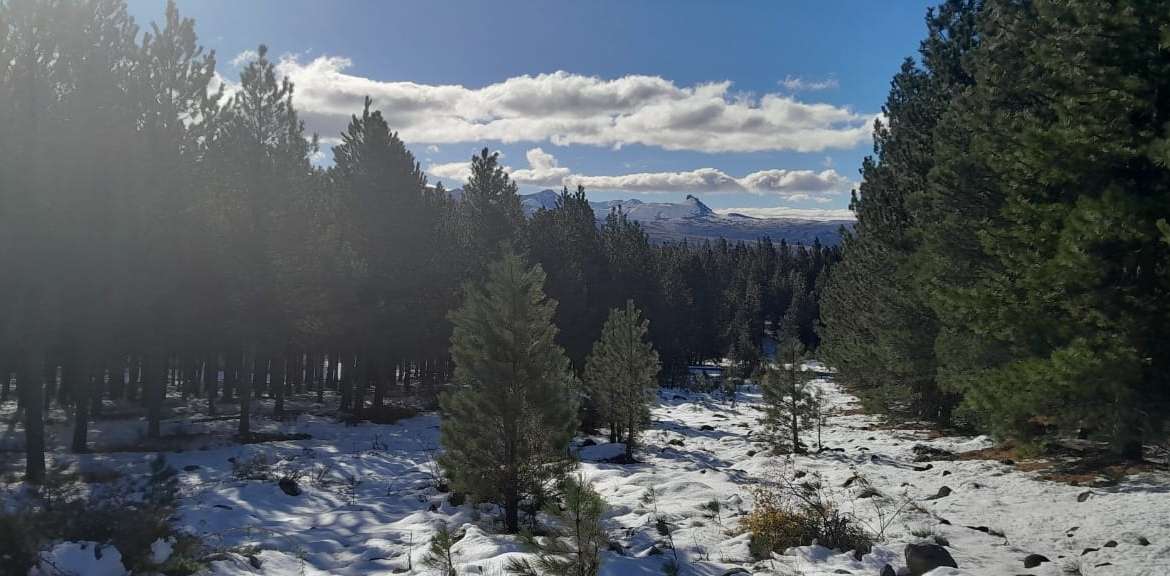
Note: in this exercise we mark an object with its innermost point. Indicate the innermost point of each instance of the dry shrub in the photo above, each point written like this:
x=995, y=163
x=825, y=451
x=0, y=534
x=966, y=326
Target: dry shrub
x=790, y=513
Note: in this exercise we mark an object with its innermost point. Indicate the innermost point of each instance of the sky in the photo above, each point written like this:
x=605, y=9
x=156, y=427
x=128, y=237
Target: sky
x=760, y=107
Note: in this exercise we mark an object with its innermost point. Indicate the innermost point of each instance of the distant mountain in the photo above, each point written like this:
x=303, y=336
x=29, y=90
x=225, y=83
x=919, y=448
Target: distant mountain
x=693, y=220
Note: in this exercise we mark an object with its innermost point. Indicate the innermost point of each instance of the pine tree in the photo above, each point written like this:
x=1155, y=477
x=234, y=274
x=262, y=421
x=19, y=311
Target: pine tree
x=877, y=317
x=621, y=375
x=490, y=209
x=788, y=398
x=573, y=548
x=507, y=426
x=1068, y=158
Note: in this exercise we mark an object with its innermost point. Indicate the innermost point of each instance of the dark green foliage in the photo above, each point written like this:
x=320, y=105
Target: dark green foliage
x=508, y=423
x=1010, y=247
x=567, y=244
x=573, y=548
x=440, y=556
x=621, y=376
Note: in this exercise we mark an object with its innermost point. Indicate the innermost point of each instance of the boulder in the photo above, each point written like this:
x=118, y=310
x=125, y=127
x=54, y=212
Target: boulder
x=1111, y=544
x=922, y=558
x=943, y=492
x=1034, y=560
x=289, y=486
x=707, y=427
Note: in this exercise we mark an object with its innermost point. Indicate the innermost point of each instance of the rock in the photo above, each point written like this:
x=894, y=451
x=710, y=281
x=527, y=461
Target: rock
x=922, y=558
x=1142, y=541
x=254, y=561
x=588, y=442
x=1087, y=550
x=707, y=427
x=983, y=529
x=841, y=571
x=751, y=453
x=1084, y=495
x=735, y=571
x=1008, y=462
x=943, y=492
x=1111, y=544
x=946, y=473
x=924, y=453
x=941, y=540
x=1034, y=560
x=289, y=486
x=616, y=548
x=190, y=467
x=676, y=442
x=943, y=521
x=888, y=570
x=923, y=468
x=1103, y=564
x=221, y=506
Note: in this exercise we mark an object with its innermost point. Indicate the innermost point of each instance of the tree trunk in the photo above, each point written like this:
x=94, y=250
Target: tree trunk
x=244, y=391
x=511, y=510
x=81, y=382
x=210, y=379
x=279, y=377
x=154, y=389
x=32, y=391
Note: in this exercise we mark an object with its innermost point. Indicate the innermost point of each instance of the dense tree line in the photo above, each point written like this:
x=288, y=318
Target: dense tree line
x=1010, y=264
x=166, y=235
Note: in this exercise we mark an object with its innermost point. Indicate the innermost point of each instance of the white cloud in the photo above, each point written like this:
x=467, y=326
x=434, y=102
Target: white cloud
x=786, y=212
x=798, y=84
x=566, y=109
x=793, y=185
x=244, y=57
x=451, y=172
x=542, y=171
x=433, y=149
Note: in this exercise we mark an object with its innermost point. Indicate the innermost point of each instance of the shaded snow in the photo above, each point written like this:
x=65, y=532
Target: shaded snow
x=370, y=502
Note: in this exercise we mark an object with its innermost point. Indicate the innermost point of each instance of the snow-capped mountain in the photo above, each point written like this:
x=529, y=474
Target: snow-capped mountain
x=693, y=220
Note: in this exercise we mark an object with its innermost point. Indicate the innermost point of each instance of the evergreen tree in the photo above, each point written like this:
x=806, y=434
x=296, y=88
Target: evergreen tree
x=621, y=375
x=877, y=322
x=490, y=209
x=566, y=243
x=1066, y=157
x=508, y=424
x=788, y=398
x=574, y=548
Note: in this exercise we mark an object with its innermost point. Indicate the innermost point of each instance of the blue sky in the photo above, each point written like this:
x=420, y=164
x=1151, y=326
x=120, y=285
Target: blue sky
x=744, y=104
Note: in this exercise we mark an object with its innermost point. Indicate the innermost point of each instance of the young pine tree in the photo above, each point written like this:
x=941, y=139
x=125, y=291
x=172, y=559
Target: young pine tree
x=574, y=548
x=621, y=374
x=788, y=398
x=507, y=427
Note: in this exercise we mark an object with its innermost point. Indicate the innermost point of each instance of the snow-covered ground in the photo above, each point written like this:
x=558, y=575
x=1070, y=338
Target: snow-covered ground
x=370, y=499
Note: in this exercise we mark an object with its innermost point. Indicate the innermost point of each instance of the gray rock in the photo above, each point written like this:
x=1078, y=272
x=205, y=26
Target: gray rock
x=1034, y=560
x=922, y=558
x=289, y=486
x=734, y=571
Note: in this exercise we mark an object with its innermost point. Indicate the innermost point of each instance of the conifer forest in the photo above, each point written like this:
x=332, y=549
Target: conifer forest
x=277, y=313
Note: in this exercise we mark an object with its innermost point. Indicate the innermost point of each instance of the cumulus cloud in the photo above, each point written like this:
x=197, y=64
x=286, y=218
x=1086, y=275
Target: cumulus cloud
x=451, y=171
x=798, y=84
x=544, y=170
x=786, y=212
x=567, y=109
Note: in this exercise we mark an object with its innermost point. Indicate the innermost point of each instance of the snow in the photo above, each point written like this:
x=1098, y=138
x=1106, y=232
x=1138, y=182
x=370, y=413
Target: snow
x=88, y=558
x=161, y=550
x=370, y=499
